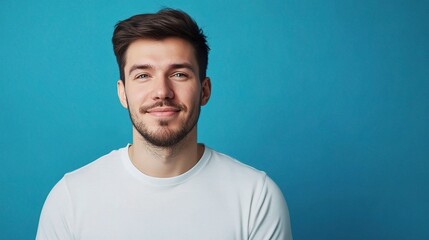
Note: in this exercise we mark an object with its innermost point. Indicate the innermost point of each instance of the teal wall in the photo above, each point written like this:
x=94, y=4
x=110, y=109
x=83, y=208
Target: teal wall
x=330, y=98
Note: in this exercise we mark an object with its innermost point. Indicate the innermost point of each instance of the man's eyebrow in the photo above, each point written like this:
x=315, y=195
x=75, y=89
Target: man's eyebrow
x=139, y=66
x=182, y=65
x=172, y=66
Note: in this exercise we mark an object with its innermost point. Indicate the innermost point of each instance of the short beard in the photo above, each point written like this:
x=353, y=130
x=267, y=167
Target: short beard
x=164, y=137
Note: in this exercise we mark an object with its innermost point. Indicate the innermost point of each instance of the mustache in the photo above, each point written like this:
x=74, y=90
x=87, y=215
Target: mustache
x=166, y=103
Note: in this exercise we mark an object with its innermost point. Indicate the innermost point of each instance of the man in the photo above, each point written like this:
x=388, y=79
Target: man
x=164, y=185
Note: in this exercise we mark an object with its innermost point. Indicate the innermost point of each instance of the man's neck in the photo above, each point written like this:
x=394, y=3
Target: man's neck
x=165, y=162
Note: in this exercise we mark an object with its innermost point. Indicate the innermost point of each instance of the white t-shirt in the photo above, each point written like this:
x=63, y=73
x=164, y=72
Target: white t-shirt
x=219, y=198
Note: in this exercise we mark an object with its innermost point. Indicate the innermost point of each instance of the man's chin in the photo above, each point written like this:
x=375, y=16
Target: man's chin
x=163, y=137
x=164, y=123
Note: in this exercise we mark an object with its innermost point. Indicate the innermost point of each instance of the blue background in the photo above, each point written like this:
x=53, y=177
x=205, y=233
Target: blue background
x=330, y=98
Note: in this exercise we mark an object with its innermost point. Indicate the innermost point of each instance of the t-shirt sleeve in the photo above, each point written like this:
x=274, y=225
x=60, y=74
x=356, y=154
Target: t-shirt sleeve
x=56, y=217
x=270, y=214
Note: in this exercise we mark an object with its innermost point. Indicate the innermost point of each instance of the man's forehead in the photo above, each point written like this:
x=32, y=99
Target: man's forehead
x=169, y=52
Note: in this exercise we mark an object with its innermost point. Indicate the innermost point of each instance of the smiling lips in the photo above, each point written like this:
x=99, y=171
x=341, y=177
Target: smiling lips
x=163, y=111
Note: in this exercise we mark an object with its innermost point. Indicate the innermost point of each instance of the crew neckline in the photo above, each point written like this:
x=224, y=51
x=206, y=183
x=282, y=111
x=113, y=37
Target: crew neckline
x=163, y=182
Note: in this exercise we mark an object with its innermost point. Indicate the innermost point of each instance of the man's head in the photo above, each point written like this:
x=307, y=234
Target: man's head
x=161, y=25
x=162, y=59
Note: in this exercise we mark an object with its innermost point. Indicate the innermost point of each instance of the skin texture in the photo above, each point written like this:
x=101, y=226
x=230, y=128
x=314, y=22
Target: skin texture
x=163, y=95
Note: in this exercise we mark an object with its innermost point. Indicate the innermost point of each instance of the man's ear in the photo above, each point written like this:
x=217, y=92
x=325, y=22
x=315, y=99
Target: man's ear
x=206, y=90
x=121, y=93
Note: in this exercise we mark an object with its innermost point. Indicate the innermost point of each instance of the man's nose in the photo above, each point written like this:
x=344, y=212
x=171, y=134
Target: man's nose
x=162, y=89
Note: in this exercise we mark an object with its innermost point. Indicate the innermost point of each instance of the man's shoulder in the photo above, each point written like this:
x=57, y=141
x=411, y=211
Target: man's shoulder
x=229, y=166
x=103, y=166
x=230, y=161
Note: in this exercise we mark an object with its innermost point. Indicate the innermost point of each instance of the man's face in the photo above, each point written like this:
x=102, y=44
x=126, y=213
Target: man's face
x=162, y=90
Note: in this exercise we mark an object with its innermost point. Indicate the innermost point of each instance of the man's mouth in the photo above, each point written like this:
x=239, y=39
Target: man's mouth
x=163, y=111
x=164, y=108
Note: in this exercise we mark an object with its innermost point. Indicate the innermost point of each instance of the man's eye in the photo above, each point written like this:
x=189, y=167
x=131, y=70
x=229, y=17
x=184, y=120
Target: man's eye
x=179, y=75
x=142, y=76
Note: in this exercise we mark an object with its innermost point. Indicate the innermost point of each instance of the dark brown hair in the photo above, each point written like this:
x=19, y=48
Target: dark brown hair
x=163, y=24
